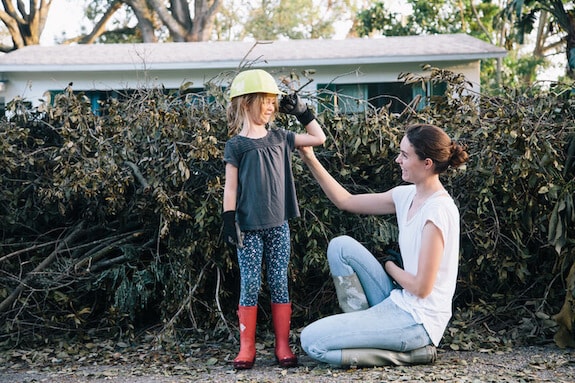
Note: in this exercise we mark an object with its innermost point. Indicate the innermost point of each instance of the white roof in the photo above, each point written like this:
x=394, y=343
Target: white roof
x=230, y=54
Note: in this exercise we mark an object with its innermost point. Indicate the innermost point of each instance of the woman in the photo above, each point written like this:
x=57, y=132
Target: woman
x=393, y=324
x=259, y=194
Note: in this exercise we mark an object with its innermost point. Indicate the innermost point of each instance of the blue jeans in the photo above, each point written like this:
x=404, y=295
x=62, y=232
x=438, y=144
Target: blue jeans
x=384, y=325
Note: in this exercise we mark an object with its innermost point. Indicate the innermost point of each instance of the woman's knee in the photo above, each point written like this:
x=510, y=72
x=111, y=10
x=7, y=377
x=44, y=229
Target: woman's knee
x=336, y=247
x=339, y=253
x=308, y=342
x=338, y=242
x=314, y=347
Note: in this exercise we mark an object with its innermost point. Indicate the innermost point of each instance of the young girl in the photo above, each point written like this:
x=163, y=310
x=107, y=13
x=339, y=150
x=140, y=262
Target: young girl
x=259, y=199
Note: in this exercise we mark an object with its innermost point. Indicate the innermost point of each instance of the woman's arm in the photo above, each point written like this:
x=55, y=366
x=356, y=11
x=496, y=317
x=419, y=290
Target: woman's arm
x=314, y=137
x=230, y=187
x=421, y=284
x=372, y=203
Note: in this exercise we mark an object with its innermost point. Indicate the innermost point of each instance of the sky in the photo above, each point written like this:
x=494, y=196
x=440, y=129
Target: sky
x=64, y=16
x=67, y=16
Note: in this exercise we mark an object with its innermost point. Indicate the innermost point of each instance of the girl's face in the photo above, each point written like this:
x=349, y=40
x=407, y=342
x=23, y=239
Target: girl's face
x=263, y=110
x=412, y=168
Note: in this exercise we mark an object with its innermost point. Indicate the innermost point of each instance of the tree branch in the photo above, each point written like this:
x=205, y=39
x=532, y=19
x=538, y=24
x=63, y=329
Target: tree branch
x=32, y=248
x=141, y=179
x=100, y=27
x=44, y=264
x=101, y=253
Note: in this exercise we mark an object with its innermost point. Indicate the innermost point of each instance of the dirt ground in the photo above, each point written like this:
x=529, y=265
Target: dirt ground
x=522, y=364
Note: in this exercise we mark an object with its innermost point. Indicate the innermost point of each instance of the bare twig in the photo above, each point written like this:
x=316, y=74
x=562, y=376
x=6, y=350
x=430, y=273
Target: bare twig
x=45, y=263
x=218, y=273
x=138, y=174
x=187, y=301
x=108, y=262
x=28, y=249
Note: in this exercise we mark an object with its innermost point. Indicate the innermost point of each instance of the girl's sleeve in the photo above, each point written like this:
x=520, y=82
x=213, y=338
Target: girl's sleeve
x=230, y=156
x=290, y=138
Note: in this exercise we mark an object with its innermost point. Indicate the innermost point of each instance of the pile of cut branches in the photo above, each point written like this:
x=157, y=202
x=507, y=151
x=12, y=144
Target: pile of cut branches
x=111, y=219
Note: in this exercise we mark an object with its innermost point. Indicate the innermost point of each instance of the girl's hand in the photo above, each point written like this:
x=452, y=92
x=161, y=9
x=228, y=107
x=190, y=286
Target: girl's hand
x=293, y=104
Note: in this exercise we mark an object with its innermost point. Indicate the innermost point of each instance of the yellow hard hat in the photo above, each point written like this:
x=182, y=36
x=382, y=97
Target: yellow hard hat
x=253, y=81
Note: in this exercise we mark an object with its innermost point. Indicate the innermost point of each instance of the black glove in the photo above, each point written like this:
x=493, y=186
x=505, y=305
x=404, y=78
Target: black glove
x=293, y=104
x=232, y=233
x=395, y=257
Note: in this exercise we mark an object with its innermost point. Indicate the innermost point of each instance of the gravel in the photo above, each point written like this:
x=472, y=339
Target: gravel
x=522, y=364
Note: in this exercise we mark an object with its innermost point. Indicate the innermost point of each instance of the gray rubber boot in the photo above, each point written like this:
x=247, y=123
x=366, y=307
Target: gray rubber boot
x=350, y=294
x=370, y=357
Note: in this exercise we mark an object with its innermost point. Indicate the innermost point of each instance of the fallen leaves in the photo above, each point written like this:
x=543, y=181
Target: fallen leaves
x=147, y=361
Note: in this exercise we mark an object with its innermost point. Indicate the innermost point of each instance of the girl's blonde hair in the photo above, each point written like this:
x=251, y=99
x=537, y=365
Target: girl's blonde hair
x=240, y=106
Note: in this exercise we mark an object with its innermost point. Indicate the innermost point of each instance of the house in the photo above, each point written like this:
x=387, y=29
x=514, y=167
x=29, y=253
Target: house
x=364, y=68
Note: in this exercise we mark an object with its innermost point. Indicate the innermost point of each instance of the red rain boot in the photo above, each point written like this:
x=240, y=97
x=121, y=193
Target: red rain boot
x=247, y=316
x=281, y=315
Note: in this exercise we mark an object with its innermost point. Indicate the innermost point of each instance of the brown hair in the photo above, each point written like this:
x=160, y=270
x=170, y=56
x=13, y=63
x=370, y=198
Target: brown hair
x=432, y=142
x=240, y=106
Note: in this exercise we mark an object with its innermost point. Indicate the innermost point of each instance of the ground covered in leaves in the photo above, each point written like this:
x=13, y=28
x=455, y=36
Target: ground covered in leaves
x=146, y=362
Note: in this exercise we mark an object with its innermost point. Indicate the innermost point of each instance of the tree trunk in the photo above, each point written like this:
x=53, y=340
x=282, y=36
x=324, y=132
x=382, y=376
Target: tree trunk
x=204, y=15
x=181, y=12
x=146, y=19
x=25, y=26
x=179, y=22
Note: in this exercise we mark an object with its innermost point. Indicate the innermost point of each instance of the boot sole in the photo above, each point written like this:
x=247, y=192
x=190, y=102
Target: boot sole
x=243, y=364
x=288, y=362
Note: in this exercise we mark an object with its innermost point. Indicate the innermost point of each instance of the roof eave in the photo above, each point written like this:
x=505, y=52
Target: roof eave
x=234, y=64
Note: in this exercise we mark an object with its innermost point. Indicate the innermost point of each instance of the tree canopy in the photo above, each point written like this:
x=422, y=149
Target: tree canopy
x=294, y=19
x=507, y=25
x=554, y=22
x=129, y=21
x=551, y=22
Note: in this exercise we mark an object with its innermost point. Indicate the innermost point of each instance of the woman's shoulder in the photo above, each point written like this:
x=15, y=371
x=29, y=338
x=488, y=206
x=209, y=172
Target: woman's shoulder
x=234, y=140
x=442, y=204
x=403, y=190
x=402, y=195
x=232, y=144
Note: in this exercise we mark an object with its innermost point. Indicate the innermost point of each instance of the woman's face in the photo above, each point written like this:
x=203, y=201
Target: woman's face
x=412, y=168
x=264, y=113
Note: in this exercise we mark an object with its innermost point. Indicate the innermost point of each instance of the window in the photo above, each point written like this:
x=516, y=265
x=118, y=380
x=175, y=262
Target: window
x=95, y=96
x=98, y=97
x=354, y=98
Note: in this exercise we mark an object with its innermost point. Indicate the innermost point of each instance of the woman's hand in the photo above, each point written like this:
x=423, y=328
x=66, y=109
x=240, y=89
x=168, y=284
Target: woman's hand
x=306, y=153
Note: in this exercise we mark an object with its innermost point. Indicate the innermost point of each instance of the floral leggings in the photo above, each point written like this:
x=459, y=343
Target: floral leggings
x=273, y=246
